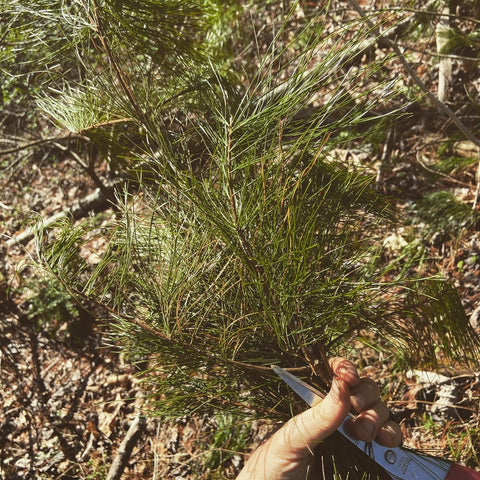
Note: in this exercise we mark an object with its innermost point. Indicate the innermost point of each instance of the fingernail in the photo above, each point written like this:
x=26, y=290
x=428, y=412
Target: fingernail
x=365, y=429
x=347, y=368
x=360, y=401
x=390, y=431
x=388, y=437
x=340, y=389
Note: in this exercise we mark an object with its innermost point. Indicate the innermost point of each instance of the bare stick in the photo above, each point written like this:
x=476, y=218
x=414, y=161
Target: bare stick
x=125, y=450
x=69, y=136
x=95, y=201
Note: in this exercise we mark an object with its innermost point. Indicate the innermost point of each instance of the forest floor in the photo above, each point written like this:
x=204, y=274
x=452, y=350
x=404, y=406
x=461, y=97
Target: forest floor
x=68, y=397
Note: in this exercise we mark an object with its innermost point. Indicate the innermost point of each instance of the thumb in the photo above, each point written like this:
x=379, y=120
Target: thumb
x=302, y=433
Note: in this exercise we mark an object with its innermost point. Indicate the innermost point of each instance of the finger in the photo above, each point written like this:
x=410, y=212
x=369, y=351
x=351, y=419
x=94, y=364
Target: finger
x=364, y=394
x=368, y=423
x=344, y=370
x=301, y=434
x=390, y=434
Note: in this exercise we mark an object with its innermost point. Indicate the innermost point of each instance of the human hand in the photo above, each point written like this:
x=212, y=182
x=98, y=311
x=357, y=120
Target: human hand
x=289, y=453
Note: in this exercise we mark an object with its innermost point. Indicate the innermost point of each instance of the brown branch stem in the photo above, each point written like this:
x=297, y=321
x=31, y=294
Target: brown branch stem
x=167, y=338
x=126, y=447
x=106, y=123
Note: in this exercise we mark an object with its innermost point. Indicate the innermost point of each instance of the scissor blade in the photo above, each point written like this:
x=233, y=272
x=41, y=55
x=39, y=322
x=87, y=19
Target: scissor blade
x=302, y=389
x=400, y=463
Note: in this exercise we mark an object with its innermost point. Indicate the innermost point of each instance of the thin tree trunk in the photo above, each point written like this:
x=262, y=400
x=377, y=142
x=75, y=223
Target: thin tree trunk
x=445, y=64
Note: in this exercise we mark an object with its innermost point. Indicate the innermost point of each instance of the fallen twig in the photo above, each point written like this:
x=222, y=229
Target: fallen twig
x=96, y=201
x=445, y=64
x=69, y=136
x=477, y=190
x=125, y=450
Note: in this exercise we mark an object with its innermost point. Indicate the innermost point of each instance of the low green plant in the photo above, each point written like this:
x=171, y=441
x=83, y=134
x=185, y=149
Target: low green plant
x=453, y=164
x=429, y=424
x=49, y=303
x=463, y=445
x=98, y=469
x=442, y=212
x=229, y=436
x=55, y=311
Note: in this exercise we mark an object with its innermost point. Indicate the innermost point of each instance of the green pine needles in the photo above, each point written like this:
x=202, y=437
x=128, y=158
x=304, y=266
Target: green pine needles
x=239, y=240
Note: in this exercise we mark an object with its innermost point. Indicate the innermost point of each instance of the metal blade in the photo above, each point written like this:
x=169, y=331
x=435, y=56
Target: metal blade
x=302, y=389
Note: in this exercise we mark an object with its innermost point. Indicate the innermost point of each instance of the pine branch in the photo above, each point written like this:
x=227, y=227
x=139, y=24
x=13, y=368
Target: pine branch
x=120, y=76
x=155, y=332
x=245, y=245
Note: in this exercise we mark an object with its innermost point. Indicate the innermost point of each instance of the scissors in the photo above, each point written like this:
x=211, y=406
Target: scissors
x=400, y=463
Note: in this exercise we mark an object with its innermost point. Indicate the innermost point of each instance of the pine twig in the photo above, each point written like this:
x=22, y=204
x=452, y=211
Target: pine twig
x=105, y=123
x=436, y=172
x=120, y=76
x=167, y=338
x=431, y=53
x=424, y=11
